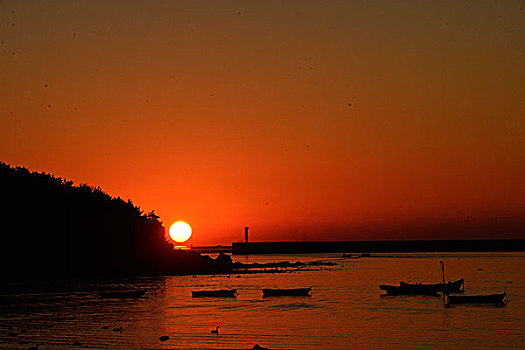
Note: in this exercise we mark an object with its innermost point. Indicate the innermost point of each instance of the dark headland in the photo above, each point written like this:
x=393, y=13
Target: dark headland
x=51, y=229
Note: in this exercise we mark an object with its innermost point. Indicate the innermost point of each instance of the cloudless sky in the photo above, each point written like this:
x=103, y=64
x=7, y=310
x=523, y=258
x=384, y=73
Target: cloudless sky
x=308, y=120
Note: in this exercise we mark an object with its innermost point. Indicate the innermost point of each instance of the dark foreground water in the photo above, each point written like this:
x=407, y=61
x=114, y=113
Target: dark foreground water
x=345, y=310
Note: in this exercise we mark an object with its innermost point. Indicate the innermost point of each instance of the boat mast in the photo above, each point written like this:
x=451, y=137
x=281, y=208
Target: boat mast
x=443, y=275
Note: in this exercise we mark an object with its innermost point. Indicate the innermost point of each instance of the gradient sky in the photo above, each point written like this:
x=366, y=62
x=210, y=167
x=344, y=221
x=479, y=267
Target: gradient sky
x=316, y=120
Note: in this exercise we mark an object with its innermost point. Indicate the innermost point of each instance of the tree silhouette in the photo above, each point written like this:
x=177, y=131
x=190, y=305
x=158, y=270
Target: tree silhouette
x=52, y=229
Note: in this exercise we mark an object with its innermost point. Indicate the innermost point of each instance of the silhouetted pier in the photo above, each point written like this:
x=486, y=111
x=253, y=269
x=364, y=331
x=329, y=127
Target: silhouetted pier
x=489, y=245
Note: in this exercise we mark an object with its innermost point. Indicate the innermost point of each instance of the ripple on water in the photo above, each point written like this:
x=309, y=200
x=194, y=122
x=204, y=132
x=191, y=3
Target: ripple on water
x=294, y=306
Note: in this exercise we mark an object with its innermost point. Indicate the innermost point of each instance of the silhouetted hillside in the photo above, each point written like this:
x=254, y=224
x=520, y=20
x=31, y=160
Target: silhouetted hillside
x=53, y=229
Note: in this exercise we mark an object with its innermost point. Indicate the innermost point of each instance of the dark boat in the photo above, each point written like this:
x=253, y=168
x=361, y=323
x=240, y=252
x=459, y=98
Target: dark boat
x=424, y=289
x=222, y=293
x=477, y=299
x=123, y=294
x=286, y=292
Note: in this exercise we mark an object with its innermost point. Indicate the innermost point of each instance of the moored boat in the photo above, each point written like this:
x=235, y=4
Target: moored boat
x=123, y=294
x=222, y=293
x=477, y=299
x=268, y=292
x=405, y=288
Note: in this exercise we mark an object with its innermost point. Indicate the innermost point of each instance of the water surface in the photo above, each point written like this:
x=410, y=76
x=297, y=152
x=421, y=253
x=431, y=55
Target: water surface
x=345, y=310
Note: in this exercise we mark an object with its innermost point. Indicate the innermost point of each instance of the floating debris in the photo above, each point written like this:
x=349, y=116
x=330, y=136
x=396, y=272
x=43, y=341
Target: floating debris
x=164, y=338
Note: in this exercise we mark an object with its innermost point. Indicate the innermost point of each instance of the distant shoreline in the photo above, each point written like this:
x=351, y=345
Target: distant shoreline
x=423, y=246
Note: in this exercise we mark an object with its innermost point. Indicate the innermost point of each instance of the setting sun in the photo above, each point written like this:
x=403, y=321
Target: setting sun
x=180, y=231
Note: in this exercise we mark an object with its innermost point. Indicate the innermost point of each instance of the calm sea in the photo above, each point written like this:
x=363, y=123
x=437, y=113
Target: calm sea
x=345, y=310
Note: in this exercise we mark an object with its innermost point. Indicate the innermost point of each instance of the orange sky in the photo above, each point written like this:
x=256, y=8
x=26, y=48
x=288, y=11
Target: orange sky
x=301, y=119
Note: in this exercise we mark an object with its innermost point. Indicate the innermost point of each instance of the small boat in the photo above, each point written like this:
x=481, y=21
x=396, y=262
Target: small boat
x=222, y=293
x=405, y=288
x=123, y=294
x=286, y=292
x=477, y=299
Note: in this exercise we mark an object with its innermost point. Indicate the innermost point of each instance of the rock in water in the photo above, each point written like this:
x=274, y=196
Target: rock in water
x=258, y=347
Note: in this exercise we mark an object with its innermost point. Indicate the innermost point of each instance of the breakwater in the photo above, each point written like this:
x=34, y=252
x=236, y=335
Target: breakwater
x=485, y=245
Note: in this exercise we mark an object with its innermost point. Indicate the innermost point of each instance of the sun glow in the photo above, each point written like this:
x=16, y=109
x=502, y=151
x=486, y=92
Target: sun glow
x=180, y=231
